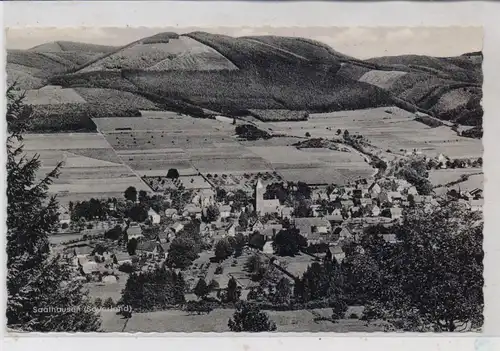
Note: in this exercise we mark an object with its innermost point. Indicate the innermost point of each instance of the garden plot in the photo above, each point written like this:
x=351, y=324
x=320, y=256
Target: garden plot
x=245, y=181
x=225, y=164
x=317, y=176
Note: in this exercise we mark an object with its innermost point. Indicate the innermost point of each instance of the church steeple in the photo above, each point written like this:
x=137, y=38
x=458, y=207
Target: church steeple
x=259, y=196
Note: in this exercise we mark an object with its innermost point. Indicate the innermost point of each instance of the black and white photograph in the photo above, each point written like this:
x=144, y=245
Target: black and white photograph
x=244, y=179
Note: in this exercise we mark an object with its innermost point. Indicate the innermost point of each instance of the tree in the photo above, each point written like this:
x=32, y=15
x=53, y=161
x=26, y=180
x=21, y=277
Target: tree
x=143, y=196
x=153, y=289
x=346, y=134
x=308, y=135
x=201, y=289
x=223, y=250
x=172, y=173
x=414, y=170
x=131, y=194
x=243, y=220
x=257, y=241
x=339, y=131
x=114, y=233
x=248, y=318
x=138, y=213
x=132, y=246
x=233, y=291
x=181, y=253
x=36, y=279
x=98, y=302
x=108, y=303
x=435, y=273
x=212, y=213
x=289, y=242
x=283, y=292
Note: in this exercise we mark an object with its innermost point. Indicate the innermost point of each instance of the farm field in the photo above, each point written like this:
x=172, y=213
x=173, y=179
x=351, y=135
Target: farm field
x=51, y=94
x=386, y=128
x=445, y=176
x=90, y=167
x=216, y=321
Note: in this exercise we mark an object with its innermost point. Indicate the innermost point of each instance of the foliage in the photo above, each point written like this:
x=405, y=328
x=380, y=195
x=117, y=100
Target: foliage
x=201, y=289
x=212, y=213
x=36, y=279
x=257, y=241
x=173, y=173
x=132, y=246
x=126, y=267
x=248, y=318
x=153, y=289
x=108, y=303
x=223, y=249
x=251, y=132
x=283, y=292
x=181, y=253
x=131, y=194
x=289, y=242
x=199, y=307
x=233, y=291
x=436, y=272
x=89, y=210
x=138, y=213
x=414, y=170
x=114, y=233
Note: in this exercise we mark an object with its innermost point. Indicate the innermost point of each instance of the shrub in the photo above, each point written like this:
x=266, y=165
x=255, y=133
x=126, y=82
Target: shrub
x=219, y=270
x=126, y=267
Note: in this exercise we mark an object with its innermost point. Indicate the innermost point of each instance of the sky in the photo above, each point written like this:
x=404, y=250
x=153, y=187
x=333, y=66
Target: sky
x=360, y=42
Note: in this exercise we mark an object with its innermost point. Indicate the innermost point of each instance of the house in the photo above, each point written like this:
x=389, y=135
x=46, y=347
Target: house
x=286, y=212
x=270, y=230
x=152, y=246
x=134, y=232
x=476, y=205
x=375, y=211
x=335, y=216
x=153, y=216
x=337, y=253
x=268, y=247
x=374, y=189
x=231, y=229
x=64, y=215
x=357, y=193
x=395, y=195
x=177, y=227
x=310, y=225
x=262, y=206
x=384, y=197
x=225, y=211
x=193, y=211
x=365, y=202
x=412, y=191
x=347, y=204
x=390, y=238
x=396, y=212
x=170, y=212
x=345, y=233
x=476, y=193
x=257, y=226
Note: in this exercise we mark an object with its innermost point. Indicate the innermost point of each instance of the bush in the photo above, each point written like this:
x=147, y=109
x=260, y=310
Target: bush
x=219, y=270
x=126, y=267
x=108, y=303
x=353, y=316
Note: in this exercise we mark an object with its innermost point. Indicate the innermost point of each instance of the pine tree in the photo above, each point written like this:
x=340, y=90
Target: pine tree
x=201, y=289
x=36, y=281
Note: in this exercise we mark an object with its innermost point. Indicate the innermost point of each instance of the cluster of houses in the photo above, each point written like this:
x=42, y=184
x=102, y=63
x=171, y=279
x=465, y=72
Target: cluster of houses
x=336, y=214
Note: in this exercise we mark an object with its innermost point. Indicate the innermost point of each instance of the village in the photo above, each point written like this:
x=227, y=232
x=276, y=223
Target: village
x=212, y=234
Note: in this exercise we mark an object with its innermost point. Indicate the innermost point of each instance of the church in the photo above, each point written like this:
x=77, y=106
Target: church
x=263, y=207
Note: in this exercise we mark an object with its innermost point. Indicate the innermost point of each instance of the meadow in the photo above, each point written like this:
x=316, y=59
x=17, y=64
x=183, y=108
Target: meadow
x=216, y=321
x=90, y=167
